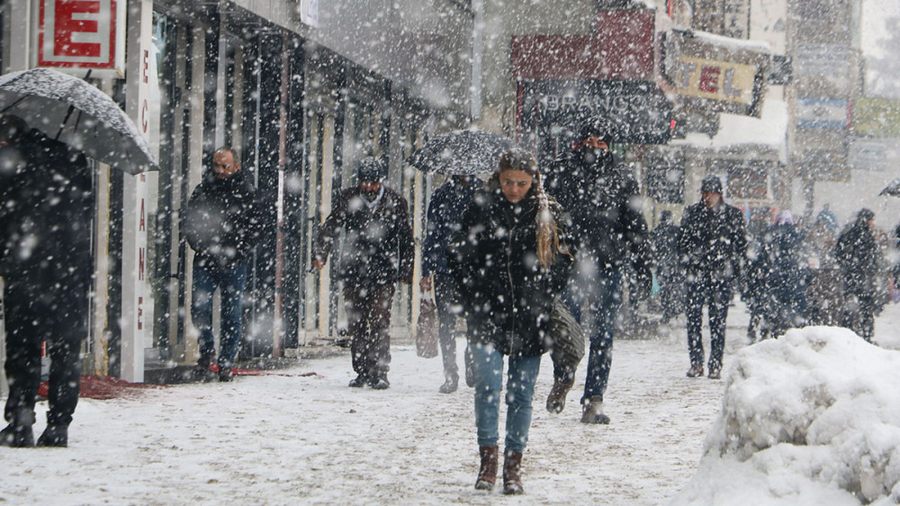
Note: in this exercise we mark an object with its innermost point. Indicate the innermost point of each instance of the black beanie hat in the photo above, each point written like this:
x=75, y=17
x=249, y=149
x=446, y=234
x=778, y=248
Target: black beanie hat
x=596, y=128
x=370, y=170
x=711, y=184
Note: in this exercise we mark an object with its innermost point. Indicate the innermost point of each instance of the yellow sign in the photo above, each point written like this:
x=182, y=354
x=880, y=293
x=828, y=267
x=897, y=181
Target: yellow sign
x=876, y=117
x=715, y=80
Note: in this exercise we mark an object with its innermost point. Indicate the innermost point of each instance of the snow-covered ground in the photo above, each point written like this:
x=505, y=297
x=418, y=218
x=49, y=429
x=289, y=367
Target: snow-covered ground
x=286, y=438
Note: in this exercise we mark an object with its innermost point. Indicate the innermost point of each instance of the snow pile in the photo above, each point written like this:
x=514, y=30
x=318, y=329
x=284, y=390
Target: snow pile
x=810, y=418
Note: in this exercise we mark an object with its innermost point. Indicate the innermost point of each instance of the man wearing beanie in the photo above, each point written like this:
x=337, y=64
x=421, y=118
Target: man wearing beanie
x=713, y=247
x=376, y=253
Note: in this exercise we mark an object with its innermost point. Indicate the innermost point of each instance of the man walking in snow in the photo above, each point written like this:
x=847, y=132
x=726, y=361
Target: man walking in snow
x=377, y=252
x=45, y=260
x=713, y=245
x=609, y=232
x=220, y=227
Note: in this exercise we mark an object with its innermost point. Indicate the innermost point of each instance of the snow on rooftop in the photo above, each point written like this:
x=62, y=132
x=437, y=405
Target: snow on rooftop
x=807, y=419
x=770, y=129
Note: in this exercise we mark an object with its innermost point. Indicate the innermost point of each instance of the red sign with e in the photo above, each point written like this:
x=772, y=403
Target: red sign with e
x=77, y=33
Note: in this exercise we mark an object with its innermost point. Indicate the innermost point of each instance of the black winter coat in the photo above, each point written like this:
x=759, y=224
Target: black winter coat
x=445, y=212
x=46, y=211
x=378, y=247
x=860, y=259
x=784, y=272
x=605, y=226
x=713, y=243
x=508, y=296
x=221, y=222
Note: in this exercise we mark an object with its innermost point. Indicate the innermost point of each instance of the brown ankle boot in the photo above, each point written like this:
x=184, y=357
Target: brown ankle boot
x=556, y=400
x=512, y=481
x=487, y=475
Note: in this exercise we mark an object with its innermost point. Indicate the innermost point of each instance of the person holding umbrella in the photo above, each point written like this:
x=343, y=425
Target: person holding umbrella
x=45, y=260
x=512, y=257
x=445, y=212
x=378, y=251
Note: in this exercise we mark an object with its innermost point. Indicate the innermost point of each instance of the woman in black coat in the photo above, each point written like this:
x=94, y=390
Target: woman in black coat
x=511, y=259
x=860, y=259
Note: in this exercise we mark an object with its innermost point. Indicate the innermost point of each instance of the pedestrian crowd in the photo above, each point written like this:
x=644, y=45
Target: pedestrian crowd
x=528, y=262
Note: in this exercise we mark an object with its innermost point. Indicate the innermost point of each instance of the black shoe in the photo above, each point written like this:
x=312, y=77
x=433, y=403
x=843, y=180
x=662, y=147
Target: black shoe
x=695, y=371
x=17, y=436
x=54, y=436
x=714, y=373
x=226, y=374
x=206, y=372
x=450, y=385
x=359, y=381
x=379, y=382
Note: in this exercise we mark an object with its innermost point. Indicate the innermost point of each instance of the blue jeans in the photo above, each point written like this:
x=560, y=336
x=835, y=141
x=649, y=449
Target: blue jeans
x=603, y=295
x=523, y=372
x=208, y=276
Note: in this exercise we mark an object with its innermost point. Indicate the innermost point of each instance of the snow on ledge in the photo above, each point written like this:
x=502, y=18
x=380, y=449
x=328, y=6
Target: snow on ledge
x=810, y=418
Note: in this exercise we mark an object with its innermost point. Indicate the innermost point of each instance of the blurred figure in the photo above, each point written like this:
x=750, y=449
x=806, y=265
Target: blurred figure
x=825, y=286
x=220, y=226
x=713, y=245
x=859, y=257
x=512, y=259
x=784, y=274
x=610, y=235
x=754, y=288
x=45, y=260
x=664, y=241
x=444, y=215
x=376, y=253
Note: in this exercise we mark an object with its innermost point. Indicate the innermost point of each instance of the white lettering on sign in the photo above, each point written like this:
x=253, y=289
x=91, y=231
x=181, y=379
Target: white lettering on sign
x=77, y=33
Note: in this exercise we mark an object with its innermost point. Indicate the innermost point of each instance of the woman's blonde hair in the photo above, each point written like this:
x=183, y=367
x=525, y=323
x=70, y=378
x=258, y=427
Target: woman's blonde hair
x=547, y=229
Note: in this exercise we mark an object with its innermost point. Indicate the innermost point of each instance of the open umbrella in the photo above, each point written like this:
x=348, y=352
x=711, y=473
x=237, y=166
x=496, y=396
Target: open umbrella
x=461, y=152
x=892, y=189
x=72, y=111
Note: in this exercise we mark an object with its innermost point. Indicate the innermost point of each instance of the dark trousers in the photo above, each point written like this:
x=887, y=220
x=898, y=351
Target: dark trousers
x=209, y=275
x=716, y=294
x=859, y=315
x=602, y=293
x=448, y=310
x=369, y=322
x=55, y=312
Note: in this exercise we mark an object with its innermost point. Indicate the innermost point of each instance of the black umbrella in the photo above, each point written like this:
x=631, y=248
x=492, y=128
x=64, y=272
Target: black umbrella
x=892, y=189
x=461, y=152
x=70, y=110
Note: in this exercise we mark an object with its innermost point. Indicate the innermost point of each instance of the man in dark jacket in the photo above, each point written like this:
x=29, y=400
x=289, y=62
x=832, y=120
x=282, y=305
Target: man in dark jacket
x=609, y=232
x=713, y=245
x=220, y=227
x=45, y=260
x=377, y=252
x=860, y=259
x=445, y=211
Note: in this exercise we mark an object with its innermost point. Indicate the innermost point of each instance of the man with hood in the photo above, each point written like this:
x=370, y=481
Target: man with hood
x=220, y=226
x=610, y=233
x=861, y=260
x=45, y=259
x=713, y=245
x=376, y=253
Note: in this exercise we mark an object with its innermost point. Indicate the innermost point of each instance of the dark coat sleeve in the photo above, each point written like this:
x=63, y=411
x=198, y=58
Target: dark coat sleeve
x=406, y=243
x=329, y=230
x=435, y=236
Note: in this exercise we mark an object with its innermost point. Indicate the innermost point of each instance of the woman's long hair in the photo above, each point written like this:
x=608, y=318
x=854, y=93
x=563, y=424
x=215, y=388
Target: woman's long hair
x=547, y=229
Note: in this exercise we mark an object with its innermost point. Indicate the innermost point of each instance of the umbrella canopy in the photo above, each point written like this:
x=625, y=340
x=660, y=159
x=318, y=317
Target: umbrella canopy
x=72, y=111
x=462, y=152
x=892, y=189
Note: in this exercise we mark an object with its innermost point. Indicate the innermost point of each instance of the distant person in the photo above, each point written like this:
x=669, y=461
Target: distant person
x=444, y=215
x=45, y=260
x=713, y=246
x=664, y=242
x=860, y=259
x=611, y=238
x=785, y=275
x=377, y=253
x=511, y=259
x=220, y=226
